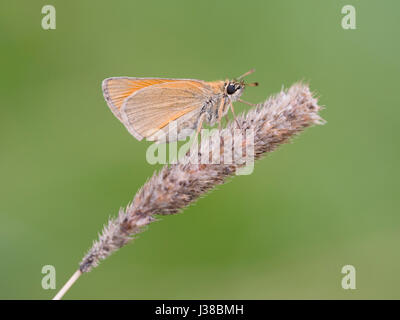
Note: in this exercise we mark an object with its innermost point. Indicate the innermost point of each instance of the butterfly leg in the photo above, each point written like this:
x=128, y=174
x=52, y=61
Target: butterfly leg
x=220, y=110
x=248, y=103
x=233, y=112
x=200, y=125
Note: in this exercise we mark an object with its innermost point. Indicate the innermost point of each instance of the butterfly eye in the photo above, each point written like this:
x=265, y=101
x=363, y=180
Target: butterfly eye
x=230, y=89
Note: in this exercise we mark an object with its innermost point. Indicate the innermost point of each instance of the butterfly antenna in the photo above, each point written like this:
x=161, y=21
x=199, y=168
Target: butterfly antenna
x=253, y=84
x=246, y=74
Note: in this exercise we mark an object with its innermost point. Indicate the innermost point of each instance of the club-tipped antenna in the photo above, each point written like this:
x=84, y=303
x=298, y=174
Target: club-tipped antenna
x=253, y=84
x=246, y=74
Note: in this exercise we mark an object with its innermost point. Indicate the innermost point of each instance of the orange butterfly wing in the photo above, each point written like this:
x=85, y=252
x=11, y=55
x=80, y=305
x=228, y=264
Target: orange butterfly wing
x=146, y=105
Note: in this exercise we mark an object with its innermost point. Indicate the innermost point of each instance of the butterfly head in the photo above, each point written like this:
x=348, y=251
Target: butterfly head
x=234, y=88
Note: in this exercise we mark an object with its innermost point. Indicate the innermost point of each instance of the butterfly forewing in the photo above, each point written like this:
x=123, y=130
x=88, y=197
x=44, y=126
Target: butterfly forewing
x=146, y=106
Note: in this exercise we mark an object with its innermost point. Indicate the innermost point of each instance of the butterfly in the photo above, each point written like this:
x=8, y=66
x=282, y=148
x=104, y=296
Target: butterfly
x=166, y=109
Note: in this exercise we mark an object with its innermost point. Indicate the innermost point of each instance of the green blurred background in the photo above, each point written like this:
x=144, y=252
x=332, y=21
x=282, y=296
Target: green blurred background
x=325, y=201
